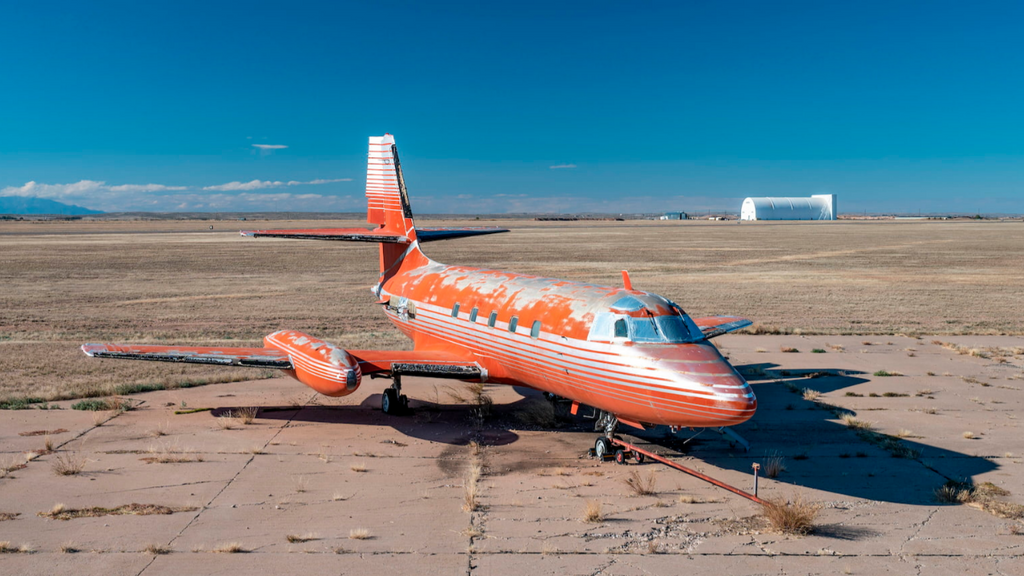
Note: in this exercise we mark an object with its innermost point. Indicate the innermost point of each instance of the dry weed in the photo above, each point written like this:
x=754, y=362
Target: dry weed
x=592, y=512
x=68, y=463
x=359, y=534
x=156, y=549
x=639, y=484
x=230, y=548
x=774, y=464
x=796, y=517
x=299, y=538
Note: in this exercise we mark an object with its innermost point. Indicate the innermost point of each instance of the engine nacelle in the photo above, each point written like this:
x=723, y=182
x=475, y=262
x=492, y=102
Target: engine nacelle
x=320, y=365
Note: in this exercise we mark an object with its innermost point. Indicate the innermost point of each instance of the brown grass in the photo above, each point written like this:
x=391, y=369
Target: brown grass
x=156, y=549
x=791, y=517
x=640, y=484
x=471, y=495
x=774, y=464
x=230, y=548
x=43, y=432
x=298, y=538
x=359, y=534
x=61, y=512
x=4, y=516
x=68, y=463
x=592, y=512
x=200, y=289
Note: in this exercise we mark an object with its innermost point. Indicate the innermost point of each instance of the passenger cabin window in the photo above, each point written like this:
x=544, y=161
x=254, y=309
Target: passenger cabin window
x=492, y=319
x=535, y=330
x=455, y=310
x=473, y=313
x=513, y=324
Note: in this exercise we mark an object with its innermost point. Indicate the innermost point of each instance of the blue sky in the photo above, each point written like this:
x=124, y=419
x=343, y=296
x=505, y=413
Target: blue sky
x=575, y=106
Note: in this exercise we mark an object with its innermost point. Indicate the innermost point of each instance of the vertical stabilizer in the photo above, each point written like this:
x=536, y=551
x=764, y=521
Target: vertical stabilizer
x=386, y=197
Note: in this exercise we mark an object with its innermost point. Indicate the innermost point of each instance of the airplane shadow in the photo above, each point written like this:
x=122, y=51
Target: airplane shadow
x=453, y=424
x=818, y=451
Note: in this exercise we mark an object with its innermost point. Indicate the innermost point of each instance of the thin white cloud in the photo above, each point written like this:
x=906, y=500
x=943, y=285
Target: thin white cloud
x=561, y=166
x=144, y=188
x=262, y=184
x=161, y=197
x=270, y=146
x=251, y=185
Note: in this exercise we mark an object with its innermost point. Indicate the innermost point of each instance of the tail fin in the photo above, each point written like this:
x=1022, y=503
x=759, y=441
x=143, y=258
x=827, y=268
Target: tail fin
x=387, y=200
x=387, y=206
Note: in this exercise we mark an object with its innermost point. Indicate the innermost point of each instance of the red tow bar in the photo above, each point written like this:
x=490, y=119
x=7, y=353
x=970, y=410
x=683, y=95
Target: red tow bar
x=689, y=471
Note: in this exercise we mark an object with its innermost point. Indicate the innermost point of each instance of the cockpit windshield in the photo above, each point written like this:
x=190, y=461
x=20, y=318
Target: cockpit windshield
x=675, y=328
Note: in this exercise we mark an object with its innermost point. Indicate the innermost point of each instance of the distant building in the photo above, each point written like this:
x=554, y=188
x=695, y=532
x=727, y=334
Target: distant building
x=673, y=216
x=817, y=207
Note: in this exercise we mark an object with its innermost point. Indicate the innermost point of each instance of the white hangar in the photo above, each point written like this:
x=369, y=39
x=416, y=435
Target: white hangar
x=817, y=207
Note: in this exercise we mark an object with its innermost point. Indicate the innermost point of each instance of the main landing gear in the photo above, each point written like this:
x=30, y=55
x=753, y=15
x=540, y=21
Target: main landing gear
x=604, y=449
x=393, y=401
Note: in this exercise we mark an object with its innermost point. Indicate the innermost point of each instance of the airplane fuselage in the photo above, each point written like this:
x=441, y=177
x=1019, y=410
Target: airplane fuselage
x=631, y=353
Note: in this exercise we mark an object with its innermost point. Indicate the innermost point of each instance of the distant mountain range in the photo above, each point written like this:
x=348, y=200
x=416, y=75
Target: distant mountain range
x=25, y=205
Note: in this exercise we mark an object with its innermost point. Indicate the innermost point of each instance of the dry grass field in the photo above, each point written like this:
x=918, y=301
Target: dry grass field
x=66, y=283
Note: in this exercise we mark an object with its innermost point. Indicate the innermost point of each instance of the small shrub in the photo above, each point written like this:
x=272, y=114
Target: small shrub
x=789, y=350
x=359, y=534
x=230, y=548
x=969, y=435
x=297, y=538
x=817, y=351
x=811, y=395
x=592, y=512
x=796, y=517
x=68, y=464
x=854, y=395
x=885, y=373
x=247, y=415
x=641, y=485
x=774, y=464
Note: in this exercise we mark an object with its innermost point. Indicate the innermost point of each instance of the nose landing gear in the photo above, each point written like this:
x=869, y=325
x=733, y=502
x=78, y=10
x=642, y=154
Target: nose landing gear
x=604, y=448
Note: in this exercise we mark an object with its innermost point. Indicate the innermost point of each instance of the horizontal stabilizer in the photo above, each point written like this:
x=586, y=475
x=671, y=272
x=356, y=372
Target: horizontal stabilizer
x=432, y=234
x=246, y=357
x=337, y=234
x=717, y=325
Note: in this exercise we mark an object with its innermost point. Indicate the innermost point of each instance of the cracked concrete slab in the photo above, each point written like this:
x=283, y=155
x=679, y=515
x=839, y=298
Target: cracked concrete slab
x=321, y=470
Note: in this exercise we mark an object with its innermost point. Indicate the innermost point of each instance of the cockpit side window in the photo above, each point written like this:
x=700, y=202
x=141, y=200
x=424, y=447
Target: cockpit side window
x=621, y=330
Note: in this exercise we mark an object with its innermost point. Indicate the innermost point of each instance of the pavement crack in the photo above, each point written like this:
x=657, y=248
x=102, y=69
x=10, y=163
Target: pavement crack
x=231, y=481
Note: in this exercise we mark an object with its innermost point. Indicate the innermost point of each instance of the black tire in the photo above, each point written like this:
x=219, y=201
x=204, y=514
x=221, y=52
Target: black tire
x=403, y=401
x=389, y=401
x=620, y=457
x=602, y=448
x=640, y=458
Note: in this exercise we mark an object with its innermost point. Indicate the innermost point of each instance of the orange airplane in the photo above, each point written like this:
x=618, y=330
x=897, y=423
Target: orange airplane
x=633, y=356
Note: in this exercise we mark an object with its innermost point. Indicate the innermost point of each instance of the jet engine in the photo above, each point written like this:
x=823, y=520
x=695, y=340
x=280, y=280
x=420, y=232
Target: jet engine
x=320, y=365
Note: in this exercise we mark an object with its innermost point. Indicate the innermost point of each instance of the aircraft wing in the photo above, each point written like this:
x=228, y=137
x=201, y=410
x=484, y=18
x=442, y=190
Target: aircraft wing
x=343, y=234
x=374, y=235
x=432, y=234
x=247, y=357
x=713, y=326
x=435, y=364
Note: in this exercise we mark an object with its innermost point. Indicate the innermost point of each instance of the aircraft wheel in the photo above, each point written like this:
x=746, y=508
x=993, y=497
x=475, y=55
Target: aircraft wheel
x=602, y=448
x=403, y=401
x=389, y=402
x=620, y=457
